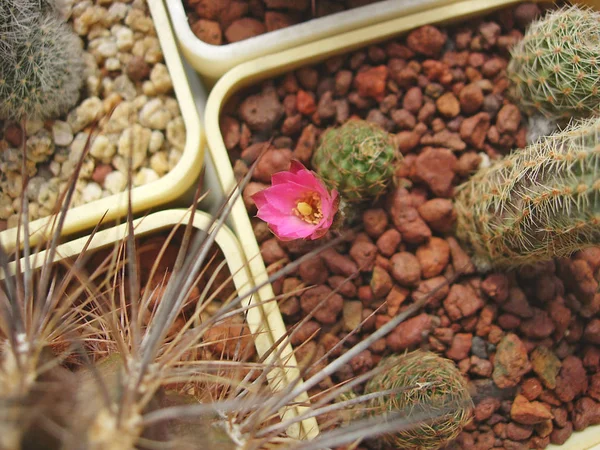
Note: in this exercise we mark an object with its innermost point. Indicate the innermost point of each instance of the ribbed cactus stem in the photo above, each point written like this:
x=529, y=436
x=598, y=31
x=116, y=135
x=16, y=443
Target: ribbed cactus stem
x=427, y=384
x=555, y=68
x=536, y=204
x=357, y=159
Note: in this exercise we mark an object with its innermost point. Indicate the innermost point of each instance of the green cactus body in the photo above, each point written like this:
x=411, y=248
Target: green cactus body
x=432, y=385
x=357, y=159
x=555, y=68
x=41, y=63
x=535, y=204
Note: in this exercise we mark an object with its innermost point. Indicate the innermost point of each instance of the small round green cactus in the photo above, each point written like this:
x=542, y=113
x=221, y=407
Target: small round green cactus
x=357, y=159
x=433, y=386
x=41, y=63
x=555, y=68
x=536, y=204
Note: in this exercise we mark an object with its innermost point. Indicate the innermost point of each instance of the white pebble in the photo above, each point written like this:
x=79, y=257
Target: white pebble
x=115, y=182
x=121, y=118
x=92, y=191
x=176, y=133
x=112, y=64
x=102, y=149
x=6, y=208
x=159, y=162
x=89, y=110
x=161, y=79
x=117, y=11
x=77, y=147
x=54, y=167
x=135, y=141
x=62, y=133
x=125, y=87
x=108, y=47
x=157, y=139
x=145, y=176
x=155, y=115
x=124, y=37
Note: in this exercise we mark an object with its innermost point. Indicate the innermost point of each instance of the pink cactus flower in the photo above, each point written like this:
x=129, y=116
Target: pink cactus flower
x=297, y=205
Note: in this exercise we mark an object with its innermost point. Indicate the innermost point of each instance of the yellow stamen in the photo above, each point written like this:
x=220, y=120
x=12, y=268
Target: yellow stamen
x=309, y=208
x=304, y=208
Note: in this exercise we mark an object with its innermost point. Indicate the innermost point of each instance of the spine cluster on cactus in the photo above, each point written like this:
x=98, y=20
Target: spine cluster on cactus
x=536, y=204
x=41, y=61
x=555, y=68
x=424, y=382
x=357, y=159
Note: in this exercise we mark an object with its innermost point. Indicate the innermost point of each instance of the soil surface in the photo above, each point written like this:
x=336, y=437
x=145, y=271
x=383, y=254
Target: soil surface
x=219, y=22
x=526, y=339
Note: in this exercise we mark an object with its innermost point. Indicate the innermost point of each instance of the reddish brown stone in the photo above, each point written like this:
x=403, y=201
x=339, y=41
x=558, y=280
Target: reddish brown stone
x=435, y=167
x=496, y=287
x=572, y=379
x=531, y=388
x=448, y=105
x=208, y=31
x=244, y=28
x=409, y=333
x=375, y=222
x=518, y=431
x=461, y=302
x=474, y=129
x=363, y=253
x=381, y=282
x=439, y=214
x=433, y=257
x=510, y=362
x=323, y=303
x=276, y=20
x=528, y=413
x=371, y=82
x=460, y=347
x=406, y=218
x=508, y=119
x=585, y=413
x=388, y=242
x=427, y=40
x=413, y=100
x=271, y=162
x=485, y=408
x=305, y=332
x=405, y=268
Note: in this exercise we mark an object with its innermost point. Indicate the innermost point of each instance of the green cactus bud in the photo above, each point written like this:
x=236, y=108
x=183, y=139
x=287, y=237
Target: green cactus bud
x=41, y=62
x=555, y=67
x=536, y=204
x=357, y=159
x=432, y=385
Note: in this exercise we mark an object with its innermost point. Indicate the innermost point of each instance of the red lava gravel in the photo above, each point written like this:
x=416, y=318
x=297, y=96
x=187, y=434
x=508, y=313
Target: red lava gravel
x=220, y=22
x=527, y=339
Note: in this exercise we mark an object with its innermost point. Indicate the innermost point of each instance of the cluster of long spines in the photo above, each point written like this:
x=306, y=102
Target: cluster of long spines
x=555, y=68
x=41, y=61
x=357, y=159
x=424, y=381
x=535, y=204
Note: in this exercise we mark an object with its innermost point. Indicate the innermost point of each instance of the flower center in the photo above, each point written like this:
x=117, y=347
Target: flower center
x=308, y=208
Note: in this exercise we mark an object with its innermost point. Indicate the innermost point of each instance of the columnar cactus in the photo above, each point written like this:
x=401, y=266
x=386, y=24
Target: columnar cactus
x=41, y=61
x=426, y=383
x=356, y=159
x=555, y=68
x=536, y=204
